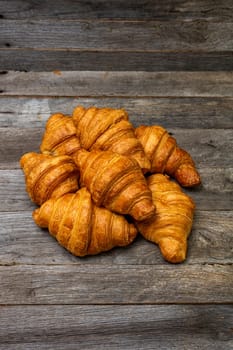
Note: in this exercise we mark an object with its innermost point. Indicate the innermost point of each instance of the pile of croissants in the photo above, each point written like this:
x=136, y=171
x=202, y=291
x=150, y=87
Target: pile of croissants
x=98, y=181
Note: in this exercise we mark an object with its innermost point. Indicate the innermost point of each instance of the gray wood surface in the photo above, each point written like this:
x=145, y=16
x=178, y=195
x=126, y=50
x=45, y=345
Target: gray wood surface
x=49, y=60
x=131, y=327
x=115, y=35
x=115, y=84
x=118, y=9
x=116, y=284
x=168, y=63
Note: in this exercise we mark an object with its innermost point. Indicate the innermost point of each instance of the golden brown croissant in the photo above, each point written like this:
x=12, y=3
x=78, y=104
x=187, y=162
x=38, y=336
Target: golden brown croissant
x=109, y=129
x=165, y=155
x=81, y=227
x=115, y=182
x=48, y=176
x=171, y=225
x=60, y=136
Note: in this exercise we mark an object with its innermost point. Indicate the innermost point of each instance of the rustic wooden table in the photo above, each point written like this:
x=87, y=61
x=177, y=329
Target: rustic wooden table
x=168, y=63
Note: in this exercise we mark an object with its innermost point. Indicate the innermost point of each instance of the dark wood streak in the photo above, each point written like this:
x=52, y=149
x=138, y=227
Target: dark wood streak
x=48, y=60
x=166, y=10
x=115, y=35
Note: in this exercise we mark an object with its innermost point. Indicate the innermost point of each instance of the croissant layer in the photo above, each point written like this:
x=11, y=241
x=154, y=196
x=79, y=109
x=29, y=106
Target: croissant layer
x=172, y=224
x=115, y=182
x=81, y=227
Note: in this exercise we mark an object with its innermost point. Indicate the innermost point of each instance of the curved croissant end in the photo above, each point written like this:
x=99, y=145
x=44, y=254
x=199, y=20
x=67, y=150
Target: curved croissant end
x=166, y=156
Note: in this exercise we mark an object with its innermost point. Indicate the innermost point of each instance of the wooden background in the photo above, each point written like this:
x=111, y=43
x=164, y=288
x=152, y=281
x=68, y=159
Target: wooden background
x=166, y=62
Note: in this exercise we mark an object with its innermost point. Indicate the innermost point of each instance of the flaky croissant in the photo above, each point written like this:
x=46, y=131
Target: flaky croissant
x=166, y=156
x=115, y=182
x=60, y=136
x=171, y=225
x=48, y=176
x=109, y=129
x=81, y=227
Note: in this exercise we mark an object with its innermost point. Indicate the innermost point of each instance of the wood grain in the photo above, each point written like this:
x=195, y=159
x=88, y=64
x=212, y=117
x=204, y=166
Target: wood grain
x=116, y=84
x=22, y=242
x=118, y=9
x=49, y=60
x=115, y=35
x=184, y=113
x=121, y=284
x=116, y=327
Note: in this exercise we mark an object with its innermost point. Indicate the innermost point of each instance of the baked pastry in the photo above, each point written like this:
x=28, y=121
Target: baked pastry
x=172, y=224
x=81, y=227
x=115, y=182
x=166, y=156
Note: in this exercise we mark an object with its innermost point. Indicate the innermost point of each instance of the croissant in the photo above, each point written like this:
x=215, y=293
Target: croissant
x=48, y=176
x=115, y=182
x=109, y=129
x=81, y=227
x=60, y=136
x=166, y=156
x=171, y=225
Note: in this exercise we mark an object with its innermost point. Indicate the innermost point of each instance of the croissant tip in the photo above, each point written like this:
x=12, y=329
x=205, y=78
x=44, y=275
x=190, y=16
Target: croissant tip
x=143, y=210
x=132, y=233
x=172, y=250
x=36, y=216
x=187, y=176
x=25, y=157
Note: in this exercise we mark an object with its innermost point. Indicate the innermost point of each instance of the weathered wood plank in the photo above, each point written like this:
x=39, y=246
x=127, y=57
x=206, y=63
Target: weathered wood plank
x=118, y=327
x=117, y=9
x=49, y=60
x=22, y=242
x=215, y=193
x=119, y=284
x=117, y=35
x=211, y=113
x=116, y=84
x=208, y=147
